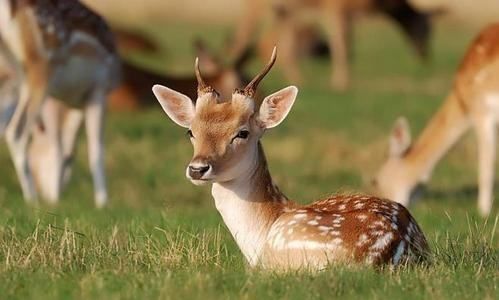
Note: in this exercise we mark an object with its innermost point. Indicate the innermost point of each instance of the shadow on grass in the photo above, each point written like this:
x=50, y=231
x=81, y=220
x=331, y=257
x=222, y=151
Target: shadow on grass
x=456, y=194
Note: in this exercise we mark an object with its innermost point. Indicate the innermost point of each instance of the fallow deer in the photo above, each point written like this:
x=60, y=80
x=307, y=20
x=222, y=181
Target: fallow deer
x=271, y=230
x=66, y=61
x=472, y=102
x=134, y=91
x=335, y=16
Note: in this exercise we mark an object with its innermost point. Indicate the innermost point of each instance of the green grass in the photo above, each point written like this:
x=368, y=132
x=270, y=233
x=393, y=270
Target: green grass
x=161, y=237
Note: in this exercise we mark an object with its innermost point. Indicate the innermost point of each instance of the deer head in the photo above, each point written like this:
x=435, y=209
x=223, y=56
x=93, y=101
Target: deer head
x=395, y=180
x=225, y=133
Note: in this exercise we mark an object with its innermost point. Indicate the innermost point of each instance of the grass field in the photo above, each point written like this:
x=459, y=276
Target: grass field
x=161, y=237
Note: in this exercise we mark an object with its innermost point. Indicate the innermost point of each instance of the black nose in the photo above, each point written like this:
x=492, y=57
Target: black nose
x=197, y=172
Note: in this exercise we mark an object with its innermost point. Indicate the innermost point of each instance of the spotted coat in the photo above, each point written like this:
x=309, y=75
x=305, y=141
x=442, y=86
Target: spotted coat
x=362, y=228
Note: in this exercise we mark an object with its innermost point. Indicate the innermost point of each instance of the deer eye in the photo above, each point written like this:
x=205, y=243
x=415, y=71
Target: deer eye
x=189, y=134
x=243, y=134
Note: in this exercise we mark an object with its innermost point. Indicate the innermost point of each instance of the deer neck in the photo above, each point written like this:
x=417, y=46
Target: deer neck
x=438, y=137
x=249, y=205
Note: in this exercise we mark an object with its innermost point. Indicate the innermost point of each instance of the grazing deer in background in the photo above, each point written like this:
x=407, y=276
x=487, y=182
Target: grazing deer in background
x=128, y=41
x=288, y=17
x=66, y=62
x=135, y=89
x=269, y=229
x=472, y=102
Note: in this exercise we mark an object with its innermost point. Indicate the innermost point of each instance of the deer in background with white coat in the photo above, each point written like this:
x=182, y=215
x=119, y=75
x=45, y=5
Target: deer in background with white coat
x=472, y=102
x=66, y=63
x=271, y=230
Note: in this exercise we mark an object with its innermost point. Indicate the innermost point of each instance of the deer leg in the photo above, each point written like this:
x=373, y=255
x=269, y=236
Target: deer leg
x=245, y=31
x=18, y=133
x=94, y=125
x=46, y=152
x=289, y=53
x=9, y=95
x=486, y=135
x=69, y=131
x=283, y=33
x=337, y=26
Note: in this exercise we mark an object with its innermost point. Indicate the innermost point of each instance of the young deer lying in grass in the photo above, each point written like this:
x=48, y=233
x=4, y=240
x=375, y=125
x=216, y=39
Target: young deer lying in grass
x=335, y=16
x=472, y=102
x=270, y=229
x=66, y=62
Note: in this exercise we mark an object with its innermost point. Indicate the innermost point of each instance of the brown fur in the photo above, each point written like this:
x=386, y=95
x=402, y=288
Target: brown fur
x=67, y=16
x=484, y=50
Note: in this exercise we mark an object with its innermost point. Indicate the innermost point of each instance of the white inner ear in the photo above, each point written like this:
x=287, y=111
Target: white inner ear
x=177, y=106
x=400, y=139
x=276, y=107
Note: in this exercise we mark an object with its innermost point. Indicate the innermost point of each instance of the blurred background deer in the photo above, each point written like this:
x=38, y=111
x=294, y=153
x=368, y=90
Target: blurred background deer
x=64, y=60
x=472, y=102
x=135, y=90
x=292, y=22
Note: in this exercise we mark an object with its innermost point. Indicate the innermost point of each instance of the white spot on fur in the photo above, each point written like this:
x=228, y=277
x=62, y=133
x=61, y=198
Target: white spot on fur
x=362, y=218
x=324, y=228
x=313, y=223
x=338, y=220
x=383, y=241
x=363, y=239
x=310, y=245
x=336, y=241
x=359, y=205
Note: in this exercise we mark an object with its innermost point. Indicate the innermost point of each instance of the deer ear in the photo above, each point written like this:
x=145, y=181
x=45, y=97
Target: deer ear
x=177, y=106
x=400, y=138
x=276, y=107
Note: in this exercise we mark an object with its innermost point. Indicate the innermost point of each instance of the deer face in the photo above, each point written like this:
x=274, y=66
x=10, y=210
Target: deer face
x=225, y=134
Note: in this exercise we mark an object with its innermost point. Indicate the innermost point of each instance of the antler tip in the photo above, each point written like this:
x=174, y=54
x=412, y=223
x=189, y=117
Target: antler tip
x=274, y=51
